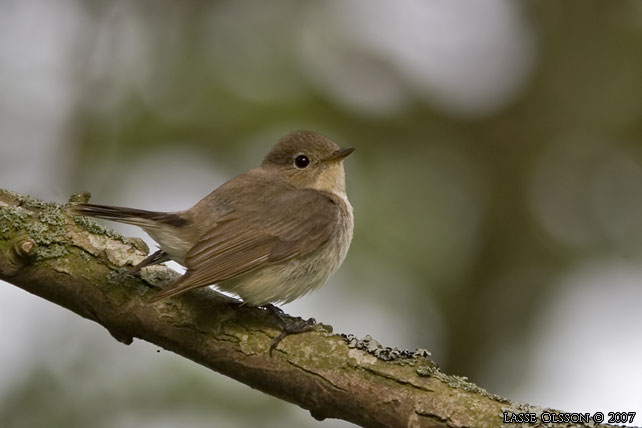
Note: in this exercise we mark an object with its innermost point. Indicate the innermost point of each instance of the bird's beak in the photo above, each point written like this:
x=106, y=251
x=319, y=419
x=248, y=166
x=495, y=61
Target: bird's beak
x=339, y=154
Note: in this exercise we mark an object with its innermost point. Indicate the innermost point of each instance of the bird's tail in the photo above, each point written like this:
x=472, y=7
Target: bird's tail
x=142, y=218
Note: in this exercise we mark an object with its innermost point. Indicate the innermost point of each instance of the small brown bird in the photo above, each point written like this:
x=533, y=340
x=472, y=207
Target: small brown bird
x=269, y=235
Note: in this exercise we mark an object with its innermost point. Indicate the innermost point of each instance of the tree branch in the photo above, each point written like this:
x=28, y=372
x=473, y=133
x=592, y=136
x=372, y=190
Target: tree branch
x=77, y=264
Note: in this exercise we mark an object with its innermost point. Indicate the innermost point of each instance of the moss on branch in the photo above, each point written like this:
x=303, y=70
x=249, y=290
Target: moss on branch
x=73, y=262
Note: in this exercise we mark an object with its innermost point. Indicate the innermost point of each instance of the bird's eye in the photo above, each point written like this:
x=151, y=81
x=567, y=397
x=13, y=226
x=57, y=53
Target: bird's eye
x=301, y=161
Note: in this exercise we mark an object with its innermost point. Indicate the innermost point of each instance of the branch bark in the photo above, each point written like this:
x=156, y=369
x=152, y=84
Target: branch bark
x=77, y=264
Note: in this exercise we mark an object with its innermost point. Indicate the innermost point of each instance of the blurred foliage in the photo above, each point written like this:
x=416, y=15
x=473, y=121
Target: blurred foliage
x=471, y=217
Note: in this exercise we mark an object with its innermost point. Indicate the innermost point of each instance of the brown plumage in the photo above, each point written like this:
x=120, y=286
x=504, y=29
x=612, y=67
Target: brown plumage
x=269, y=235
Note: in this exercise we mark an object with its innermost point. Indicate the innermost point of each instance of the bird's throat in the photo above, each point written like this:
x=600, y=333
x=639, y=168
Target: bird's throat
x=332, y=180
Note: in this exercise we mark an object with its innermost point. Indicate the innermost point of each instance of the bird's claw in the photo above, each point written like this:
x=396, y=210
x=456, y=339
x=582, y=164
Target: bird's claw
x=288, y=325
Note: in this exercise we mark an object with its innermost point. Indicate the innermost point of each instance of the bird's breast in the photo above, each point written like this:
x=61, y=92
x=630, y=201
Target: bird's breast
x=286, y=281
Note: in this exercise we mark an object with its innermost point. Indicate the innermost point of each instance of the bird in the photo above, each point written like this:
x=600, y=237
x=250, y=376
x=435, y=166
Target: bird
x=269, y=235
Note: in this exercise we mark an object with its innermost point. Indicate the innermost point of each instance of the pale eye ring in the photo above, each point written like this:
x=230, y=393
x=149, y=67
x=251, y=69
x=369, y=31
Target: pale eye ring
x=301, y=161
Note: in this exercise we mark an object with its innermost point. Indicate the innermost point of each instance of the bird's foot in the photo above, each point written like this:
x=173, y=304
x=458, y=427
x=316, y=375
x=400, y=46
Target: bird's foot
x=288, y=325
x=159, y=256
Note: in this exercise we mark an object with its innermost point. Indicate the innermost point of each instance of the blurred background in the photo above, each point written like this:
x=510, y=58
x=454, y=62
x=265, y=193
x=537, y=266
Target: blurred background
x=497, y=185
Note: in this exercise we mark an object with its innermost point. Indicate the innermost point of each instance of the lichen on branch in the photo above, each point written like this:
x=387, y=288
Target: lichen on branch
x=82, y=266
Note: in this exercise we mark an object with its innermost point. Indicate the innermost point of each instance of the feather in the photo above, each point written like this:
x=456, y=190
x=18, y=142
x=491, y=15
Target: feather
x=242, y=241
x=130, y=215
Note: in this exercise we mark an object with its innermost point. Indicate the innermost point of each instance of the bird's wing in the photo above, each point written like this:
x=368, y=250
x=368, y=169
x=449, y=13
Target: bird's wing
x=290, y=224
